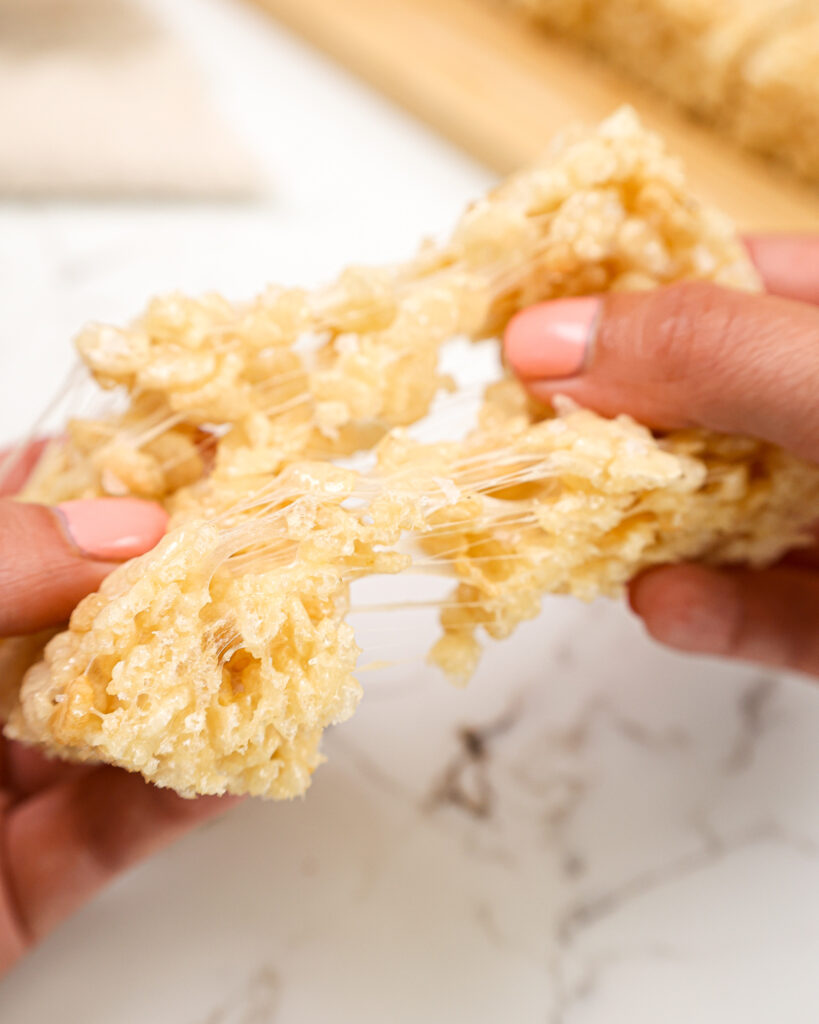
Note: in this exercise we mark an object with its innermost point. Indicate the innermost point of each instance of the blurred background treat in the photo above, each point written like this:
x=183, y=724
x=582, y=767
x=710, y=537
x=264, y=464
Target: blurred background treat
x=748, y=67
x=597, y=830
x=500, y=77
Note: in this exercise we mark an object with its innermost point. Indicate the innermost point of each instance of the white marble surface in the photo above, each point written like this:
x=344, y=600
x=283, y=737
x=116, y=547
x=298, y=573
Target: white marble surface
x=595, y=832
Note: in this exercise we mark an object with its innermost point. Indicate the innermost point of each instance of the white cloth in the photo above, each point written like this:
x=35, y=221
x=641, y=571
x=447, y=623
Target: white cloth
x=97, y=99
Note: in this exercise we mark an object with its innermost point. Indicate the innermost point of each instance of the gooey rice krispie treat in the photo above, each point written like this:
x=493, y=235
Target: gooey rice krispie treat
x=214, y=663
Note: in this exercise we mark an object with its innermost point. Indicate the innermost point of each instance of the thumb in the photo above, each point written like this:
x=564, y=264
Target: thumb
x=688, y=355
x=50, y=558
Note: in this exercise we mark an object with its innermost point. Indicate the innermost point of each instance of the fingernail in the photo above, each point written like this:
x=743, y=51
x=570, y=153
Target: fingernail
x=113, y=529
x=552, y=340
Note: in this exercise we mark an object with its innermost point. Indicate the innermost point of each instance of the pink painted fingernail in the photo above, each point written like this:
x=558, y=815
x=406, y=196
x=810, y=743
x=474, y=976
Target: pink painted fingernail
x=552, y=340
x=113, y=529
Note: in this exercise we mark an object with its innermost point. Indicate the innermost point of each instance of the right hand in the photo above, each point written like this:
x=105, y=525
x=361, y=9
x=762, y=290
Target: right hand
x=699, y=355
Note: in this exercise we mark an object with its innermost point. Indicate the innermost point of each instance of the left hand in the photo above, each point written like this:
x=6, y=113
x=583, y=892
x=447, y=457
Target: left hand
x=66, y=830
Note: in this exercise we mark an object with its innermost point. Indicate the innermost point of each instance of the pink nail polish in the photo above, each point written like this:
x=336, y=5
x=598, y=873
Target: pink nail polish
x=552, y=341
x=113, y=529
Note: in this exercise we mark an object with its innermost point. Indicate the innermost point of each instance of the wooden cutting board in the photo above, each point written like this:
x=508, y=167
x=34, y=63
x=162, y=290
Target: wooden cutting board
x=499, y=87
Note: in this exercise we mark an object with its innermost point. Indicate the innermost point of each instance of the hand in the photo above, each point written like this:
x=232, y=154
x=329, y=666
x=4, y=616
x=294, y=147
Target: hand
x=699, y=355
x=66, y=830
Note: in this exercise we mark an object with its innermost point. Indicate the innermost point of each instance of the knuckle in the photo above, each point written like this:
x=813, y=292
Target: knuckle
x=686, y=340
x=682, y=327
x=671, y=329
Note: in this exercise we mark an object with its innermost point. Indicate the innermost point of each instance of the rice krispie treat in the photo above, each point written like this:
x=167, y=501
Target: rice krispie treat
x=747, y=65
x=778, y=100
x=293, y=373
x=213, y=663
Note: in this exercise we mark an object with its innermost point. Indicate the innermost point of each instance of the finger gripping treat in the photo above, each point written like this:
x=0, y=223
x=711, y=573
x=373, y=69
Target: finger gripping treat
x=214, y=663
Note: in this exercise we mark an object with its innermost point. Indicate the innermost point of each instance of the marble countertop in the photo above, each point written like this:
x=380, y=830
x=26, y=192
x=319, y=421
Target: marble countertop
x=595, y=831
